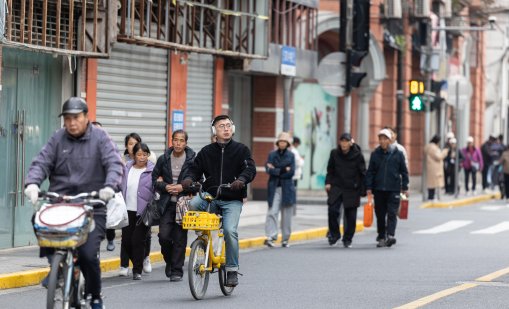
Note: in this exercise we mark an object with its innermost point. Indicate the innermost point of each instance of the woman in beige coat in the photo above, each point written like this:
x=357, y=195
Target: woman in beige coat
x=434, y=166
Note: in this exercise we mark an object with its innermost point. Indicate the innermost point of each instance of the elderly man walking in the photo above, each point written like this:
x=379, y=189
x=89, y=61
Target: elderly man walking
x=386, y=177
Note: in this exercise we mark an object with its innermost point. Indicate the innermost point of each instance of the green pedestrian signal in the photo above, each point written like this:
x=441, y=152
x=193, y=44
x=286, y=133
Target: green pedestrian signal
x=416, y=88
x=416, y=103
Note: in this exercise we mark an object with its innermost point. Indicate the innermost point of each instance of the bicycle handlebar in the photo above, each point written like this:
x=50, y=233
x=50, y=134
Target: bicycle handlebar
x=91, y=197
x=209, y=198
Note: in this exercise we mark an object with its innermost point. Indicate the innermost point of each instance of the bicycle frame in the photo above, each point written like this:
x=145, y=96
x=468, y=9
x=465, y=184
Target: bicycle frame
x=213, y=260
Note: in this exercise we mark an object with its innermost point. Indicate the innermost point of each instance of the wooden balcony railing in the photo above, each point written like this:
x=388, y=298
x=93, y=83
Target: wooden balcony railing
x=73, y=27
x=226, y=27
x=294, y=24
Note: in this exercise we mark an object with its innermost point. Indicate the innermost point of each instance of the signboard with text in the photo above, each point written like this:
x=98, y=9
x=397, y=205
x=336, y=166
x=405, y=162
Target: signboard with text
x=177, y=120
x=288, y=61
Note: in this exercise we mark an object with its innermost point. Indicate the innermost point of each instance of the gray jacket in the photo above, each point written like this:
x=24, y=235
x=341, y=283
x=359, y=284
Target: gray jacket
x=76, y=165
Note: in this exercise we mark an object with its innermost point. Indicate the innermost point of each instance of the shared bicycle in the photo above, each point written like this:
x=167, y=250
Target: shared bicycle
x=207, y=251
x=63, y=223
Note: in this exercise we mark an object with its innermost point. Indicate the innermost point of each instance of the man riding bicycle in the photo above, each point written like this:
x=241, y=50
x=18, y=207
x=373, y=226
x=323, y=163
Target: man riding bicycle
x=222, y=162
x=79, y=158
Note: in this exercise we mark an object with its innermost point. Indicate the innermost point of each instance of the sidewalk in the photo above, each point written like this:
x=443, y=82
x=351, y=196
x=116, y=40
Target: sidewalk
x=22, y=266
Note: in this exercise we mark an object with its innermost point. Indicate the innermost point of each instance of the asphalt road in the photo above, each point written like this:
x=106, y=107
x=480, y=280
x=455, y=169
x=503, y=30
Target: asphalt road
x=437, y=250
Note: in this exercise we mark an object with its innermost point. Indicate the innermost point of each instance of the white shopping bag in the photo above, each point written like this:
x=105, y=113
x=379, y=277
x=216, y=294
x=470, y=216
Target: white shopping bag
x=117, y=212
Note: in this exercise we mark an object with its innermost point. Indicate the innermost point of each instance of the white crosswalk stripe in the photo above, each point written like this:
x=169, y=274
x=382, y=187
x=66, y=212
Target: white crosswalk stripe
x=501, y=227
x=446, y=227
x=494, y=207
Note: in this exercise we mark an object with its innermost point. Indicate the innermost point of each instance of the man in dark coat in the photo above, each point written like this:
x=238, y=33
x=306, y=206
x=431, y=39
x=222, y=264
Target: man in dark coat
x=386, y=178
x=167, y=176
x=225, y=161
x=344, y=184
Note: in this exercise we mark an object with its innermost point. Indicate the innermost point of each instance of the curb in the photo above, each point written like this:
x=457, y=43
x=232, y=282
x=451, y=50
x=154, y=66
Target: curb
x=462, y=202
x=34, y=277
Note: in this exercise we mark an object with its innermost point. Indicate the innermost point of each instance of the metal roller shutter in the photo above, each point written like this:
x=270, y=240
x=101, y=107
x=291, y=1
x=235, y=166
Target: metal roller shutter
x=132, y=94
x=200, y=82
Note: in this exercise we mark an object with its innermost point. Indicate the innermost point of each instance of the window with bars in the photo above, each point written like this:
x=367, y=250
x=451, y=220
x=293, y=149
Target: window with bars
x=57, y=26
x=226, y=27
x=294, y=24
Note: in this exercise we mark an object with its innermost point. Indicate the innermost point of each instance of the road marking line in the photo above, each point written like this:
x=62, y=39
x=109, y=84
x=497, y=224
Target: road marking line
x=433, y=297
x=446, y=227
x=492, y=208
x=493, y=275
x=501, y=227
x=465, y=286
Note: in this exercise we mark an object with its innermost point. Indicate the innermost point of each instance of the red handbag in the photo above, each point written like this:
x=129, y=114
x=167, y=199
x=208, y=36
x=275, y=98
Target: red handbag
x=403, y=207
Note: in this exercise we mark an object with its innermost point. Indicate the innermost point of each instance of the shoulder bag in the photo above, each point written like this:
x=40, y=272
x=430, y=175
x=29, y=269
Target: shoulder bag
x=151, y=215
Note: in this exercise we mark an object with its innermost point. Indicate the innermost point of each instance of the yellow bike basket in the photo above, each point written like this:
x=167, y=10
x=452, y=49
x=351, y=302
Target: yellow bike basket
x=200, y=220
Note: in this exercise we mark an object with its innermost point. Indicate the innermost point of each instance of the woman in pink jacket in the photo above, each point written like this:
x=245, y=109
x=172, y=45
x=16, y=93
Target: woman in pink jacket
x=472, y=162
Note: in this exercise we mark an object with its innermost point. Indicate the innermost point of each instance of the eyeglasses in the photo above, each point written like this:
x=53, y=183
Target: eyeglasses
x=224, y=126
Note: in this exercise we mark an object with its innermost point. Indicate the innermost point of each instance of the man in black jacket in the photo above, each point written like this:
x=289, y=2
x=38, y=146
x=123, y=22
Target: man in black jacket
x=386, y=177
x=166, y=177
x=222, y=162
x=344, y=184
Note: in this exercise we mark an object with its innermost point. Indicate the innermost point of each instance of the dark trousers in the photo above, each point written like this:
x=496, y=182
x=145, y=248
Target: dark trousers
x=431, y=194
x=469, y=173
x=110, y=234
x=386, y=209
x=349, y=220
x=450, y=178
x=124, y=258
x=484, y=177
x=173, y=241
x=88, y=255
x=506, y=182
x=133, y=241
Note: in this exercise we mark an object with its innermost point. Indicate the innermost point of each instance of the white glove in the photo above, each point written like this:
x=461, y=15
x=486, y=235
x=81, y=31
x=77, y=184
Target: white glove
x=32, y=192
x=106, y=194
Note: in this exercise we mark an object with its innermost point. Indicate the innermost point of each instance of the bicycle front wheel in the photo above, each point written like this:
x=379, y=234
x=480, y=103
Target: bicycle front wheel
x=56, y=282
x=227, y=290
x=198, y=276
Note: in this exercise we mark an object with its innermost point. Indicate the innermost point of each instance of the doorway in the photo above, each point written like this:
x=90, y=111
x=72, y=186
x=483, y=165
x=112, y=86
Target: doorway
x=29, y=106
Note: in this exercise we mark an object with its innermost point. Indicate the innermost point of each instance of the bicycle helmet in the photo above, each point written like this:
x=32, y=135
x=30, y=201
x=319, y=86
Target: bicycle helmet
x=74, y=105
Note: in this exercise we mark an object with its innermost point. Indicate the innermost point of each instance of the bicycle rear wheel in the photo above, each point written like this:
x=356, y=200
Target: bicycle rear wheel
x=56, y=282
x=198, y=276
x=227, y=290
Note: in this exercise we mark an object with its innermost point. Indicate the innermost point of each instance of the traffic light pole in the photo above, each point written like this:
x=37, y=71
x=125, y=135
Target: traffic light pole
x=347, y=101
x=427, y=106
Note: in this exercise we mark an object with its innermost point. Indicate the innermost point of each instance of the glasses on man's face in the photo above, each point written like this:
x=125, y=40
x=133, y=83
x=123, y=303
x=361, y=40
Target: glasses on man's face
x=225, y=126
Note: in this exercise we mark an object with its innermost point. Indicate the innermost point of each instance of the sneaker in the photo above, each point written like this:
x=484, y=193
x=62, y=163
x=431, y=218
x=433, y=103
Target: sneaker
x=285, y=244
x=97, y=304
x=167, y=271
x=136, y=276
x=269, y=242
x=123, y=272
x=175, y=278
x=147, y=267
x=381, y=243
x=347, y=244
x=110, y=246
x=390, y=241
x=332, y=240
x=231, y=279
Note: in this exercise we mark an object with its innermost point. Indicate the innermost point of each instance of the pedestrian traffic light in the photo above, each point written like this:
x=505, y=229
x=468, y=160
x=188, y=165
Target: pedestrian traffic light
x=360, y=41
x=416, y=98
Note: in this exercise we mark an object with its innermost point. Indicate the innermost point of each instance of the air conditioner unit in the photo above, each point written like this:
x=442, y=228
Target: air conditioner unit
x=392, y=9
x=422, y=8
x=447, y=12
